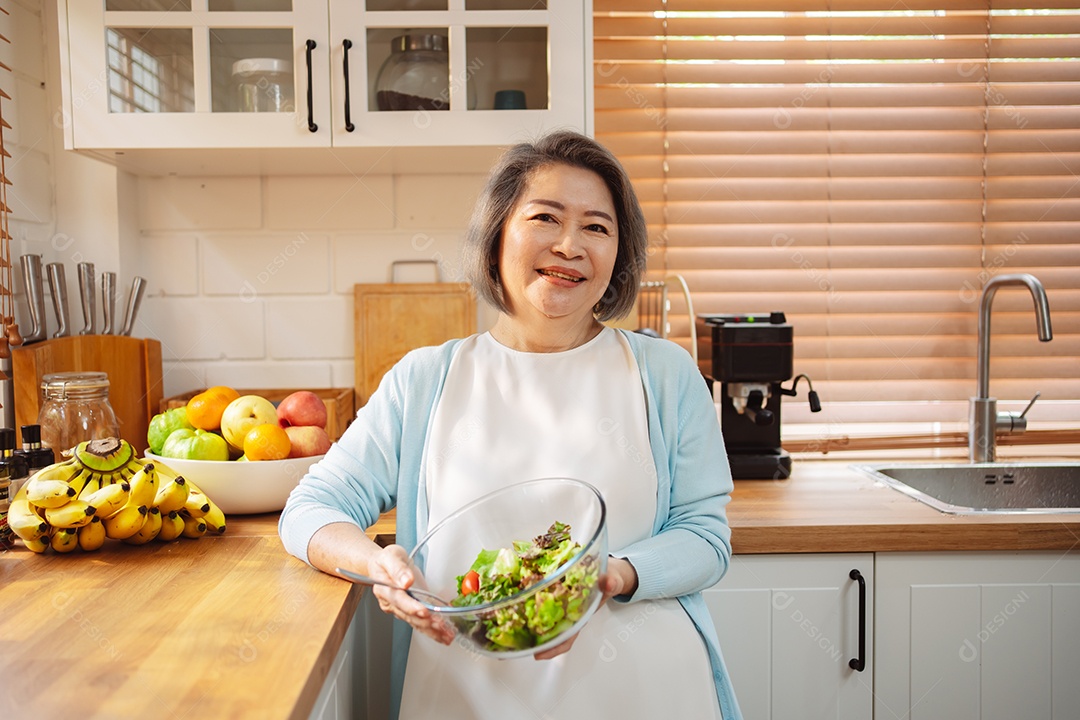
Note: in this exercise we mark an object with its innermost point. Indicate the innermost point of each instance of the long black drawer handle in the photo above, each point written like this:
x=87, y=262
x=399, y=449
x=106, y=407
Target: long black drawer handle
x=310, y=105
x=347, y=44
x=859, y=664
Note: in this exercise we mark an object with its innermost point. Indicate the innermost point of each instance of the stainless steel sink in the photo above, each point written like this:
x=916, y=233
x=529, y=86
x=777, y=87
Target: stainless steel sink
x=986, y=488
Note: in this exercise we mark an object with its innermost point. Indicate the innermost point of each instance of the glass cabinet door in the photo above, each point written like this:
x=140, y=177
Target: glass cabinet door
x=467, y=72
x=199, y=73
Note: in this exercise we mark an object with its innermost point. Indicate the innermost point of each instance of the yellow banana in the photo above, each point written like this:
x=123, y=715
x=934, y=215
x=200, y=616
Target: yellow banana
x=65, y=470
x=125, y=522
x=109, y=499
x=144, y=486
x=84, y=476
x=91, y=487
x=92, y=536
x=65, y=540
x=149, y=530
x=214, y=518
x=172, y=526
x=48, y=493
x=24, y=520
x=73, y=515
x=171, y=495
x=197, y=504
x=164, y=470
x=38, y=545
x=194, y=527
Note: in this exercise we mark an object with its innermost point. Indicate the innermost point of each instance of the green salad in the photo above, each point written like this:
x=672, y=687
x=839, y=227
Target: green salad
x=499, y=574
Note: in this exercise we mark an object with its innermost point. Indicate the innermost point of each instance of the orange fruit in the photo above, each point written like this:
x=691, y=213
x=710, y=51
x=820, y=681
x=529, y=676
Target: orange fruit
x=225, y=390
x=268, y=441
x=204, y=411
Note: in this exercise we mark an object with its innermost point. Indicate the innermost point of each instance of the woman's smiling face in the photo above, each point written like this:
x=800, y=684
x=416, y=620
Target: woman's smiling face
x=559, y=245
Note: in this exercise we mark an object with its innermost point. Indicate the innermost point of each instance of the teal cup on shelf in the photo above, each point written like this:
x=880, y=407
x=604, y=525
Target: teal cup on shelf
x=510, y=100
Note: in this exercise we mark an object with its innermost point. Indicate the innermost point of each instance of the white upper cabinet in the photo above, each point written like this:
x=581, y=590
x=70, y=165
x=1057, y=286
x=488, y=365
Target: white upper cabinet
x=268, y=74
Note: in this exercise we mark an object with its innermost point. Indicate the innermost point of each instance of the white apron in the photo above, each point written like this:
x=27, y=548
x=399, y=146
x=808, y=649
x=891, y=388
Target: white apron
x=507, y=416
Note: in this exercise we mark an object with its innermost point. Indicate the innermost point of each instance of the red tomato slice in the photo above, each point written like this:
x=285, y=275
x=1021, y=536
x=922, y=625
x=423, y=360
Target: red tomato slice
x=470, y=583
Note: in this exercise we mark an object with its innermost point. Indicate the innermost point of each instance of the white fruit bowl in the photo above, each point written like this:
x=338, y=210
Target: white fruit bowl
x=242, y=487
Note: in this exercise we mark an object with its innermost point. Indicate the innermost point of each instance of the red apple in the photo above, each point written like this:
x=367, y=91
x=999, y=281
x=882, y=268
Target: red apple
x=307, y=440
x=302, y=407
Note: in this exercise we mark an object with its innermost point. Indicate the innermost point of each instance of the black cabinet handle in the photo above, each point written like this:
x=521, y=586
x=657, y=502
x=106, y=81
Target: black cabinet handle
x=859, y=664
x=347, y=44
x=310, y=44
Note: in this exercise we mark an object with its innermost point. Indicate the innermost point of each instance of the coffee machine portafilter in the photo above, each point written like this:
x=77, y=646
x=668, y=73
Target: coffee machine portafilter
x=745, y=358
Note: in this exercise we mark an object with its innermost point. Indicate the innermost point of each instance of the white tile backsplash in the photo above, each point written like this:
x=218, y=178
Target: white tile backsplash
x=309, y=328
x=350, y=202
x=207, y=203
x=254, y=266
x=33, y=120
x=435, y=202
x=181, y=376
x=30, y=194
x=170, y=264
x=223, y=329
x=251, y=279
x=369, y=258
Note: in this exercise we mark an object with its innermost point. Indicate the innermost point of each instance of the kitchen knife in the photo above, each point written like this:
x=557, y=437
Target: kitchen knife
x=35, y=298
x=108, y=301
x=86, y=292
x=58, y=288
x=138, y=285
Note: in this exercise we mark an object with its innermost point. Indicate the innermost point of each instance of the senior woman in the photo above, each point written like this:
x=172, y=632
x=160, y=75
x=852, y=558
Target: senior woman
x=557, y=244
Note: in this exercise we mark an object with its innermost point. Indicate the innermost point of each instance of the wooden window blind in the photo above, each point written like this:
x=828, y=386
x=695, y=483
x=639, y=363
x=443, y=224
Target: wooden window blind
x=864, y=166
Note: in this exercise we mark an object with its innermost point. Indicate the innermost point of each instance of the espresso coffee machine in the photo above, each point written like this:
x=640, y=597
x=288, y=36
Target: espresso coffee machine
x=745, y=358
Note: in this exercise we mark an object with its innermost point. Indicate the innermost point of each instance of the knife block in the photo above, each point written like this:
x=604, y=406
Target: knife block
x=132, y=364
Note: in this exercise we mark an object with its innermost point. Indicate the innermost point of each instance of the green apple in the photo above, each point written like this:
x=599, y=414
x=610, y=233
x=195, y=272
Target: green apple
x=244, y=413
x=195, y=444
x=162, y=426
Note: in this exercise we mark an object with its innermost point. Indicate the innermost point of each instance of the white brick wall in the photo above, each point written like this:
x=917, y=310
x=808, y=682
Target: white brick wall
x=251, y=279
x=29, y=140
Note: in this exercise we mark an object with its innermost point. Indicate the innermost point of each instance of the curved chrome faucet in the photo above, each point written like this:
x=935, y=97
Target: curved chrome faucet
x=985, y=420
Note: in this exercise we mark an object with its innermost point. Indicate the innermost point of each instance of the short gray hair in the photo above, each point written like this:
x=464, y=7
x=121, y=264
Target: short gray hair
x=503, y=190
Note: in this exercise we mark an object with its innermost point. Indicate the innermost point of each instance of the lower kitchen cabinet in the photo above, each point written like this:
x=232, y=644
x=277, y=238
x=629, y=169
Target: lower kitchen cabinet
x=789, y=628
x=336, y=698
x=978, y=636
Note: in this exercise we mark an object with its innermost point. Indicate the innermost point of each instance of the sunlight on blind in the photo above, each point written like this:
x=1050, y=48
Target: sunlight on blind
x=149, y=70
x=864, y=169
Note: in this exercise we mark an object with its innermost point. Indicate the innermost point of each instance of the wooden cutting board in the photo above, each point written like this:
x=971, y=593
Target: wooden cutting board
x=132, y=364
x=394, y=318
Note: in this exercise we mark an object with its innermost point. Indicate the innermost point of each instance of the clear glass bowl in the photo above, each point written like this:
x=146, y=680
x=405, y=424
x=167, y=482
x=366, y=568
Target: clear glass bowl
x=518, y=512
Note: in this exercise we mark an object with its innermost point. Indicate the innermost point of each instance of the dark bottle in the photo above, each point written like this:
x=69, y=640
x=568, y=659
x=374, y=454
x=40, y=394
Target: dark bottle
x=33, y=452
x=13, y=473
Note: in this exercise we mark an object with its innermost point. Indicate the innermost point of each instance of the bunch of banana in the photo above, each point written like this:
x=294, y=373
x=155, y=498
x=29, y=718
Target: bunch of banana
x=106, y=491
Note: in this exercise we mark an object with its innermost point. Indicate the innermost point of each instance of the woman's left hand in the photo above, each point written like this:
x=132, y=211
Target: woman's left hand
x=620, y=579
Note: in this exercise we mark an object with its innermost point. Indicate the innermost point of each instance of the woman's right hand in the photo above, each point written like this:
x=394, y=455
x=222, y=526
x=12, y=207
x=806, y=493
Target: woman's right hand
x=392, y=564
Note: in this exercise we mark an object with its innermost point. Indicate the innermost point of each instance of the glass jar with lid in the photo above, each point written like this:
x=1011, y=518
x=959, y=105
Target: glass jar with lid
x=263, y=85
x=416, y=76
x=75, y=408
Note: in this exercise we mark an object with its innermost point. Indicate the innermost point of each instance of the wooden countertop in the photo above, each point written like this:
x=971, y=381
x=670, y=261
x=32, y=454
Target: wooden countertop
x=232, y=626
x=221, y=627
x=826, y=506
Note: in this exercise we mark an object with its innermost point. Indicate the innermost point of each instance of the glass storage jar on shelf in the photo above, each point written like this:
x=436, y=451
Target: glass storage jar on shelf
x=416, y=76
x=75, y=408
x=263, y=85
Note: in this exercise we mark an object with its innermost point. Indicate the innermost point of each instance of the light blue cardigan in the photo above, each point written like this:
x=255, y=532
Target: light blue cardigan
x=379, y=464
